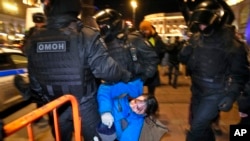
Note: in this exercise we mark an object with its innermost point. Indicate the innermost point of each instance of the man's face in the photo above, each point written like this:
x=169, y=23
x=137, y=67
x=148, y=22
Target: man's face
x=138, y=105
x=39, y=25
x=202, y=26
x=146, y=32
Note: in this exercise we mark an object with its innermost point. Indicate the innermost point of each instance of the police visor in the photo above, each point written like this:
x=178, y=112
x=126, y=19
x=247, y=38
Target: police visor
x=206, y=17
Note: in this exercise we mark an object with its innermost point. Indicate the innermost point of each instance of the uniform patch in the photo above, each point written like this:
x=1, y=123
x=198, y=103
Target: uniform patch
x=53, y=46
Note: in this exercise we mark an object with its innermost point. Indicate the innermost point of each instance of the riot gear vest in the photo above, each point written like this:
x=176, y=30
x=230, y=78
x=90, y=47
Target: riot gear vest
x=56, y=59
x=120, y=52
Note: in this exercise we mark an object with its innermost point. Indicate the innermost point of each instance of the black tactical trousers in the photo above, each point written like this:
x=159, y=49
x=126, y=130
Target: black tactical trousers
x=204, y=108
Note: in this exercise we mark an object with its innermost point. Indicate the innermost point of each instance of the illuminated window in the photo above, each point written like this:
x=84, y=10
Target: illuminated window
x=2, y=27
x=32, y=2
x=10, y=6
x=233, y=2
x=244, y=14
x=19, y=28
x=11, y=28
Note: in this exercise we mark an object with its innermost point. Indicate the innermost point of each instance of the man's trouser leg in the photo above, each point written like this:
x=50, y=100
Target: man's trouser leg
x=204, y=110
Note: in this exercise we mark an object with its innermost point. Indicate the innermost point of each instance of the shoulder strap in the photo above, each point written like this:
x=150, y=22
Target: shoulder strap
x=150, y=120
x=80, y=39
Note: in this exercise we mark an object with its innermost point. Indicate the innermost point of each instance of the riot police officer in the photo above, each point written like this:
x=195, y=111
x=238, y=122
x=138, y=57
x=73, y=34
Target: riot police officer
x=67, y=57
x=39, y=20
x=129, y=49
x=218, y=67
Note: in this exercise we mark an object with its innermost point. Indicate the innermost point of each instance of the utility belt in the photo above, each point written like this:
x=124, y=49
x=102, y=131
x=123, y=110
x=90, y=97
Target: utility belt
x=208, y=82
x=58, y=88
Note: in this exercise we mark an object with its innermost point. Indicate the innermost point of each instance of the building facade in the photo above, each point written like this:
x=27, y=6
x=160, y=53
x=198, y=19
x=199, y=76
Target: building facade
x=12, y=19
x=242, y=13
x=168, y=25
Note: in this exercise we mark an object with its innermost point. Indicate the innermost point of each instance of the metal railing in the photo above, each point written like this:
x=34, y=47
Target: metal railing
x=27, y=119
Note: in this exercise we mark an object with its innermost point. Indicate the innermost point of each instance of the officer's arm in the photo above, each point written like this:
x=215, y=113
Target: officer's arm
x=102, y=65
x=35, y=90
x=239, y=70
x=104, y=98
x=185, y=53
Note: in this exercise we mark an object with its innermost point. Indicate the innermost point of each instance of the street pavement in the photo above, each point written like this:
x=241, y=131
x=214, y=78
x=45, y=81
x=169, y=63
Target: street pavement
x=173, y=112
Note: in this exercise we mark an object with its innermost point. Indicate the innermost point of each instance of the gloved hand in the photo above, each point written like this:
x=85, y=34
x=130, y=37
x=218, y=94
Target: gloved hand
x=27, y=93
x=22, y=86
x=244, y=104
x=38, y=98
x=247, y=89
x=95, y=138
x=107, y=119
x=127, y=76
x=226, y=104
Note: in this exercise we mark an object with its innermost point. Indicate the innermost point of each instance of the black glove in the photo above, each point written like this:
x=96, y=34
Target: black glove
x=28, y=93
x=244, y=104
x=38, y=98
x=22, y=86
x=226, y=104
x=247, y=89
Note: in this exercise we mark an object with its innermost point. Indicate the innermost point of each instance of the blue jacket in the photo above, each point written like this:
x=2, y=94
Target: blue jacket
x=115, y=99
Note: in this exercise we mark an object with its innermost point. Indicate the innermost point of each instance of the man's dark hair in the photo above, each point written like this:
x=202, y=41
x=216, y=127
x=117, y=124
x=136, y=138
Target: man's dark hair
x=152, y=105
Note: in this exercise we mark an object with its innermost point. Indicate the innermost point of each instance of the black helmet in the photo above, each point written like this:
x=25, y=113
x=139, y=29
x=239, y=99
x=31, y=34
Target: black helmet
x=60, y=7
x=208, y=12
x=108, y=20
x=38, y=17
